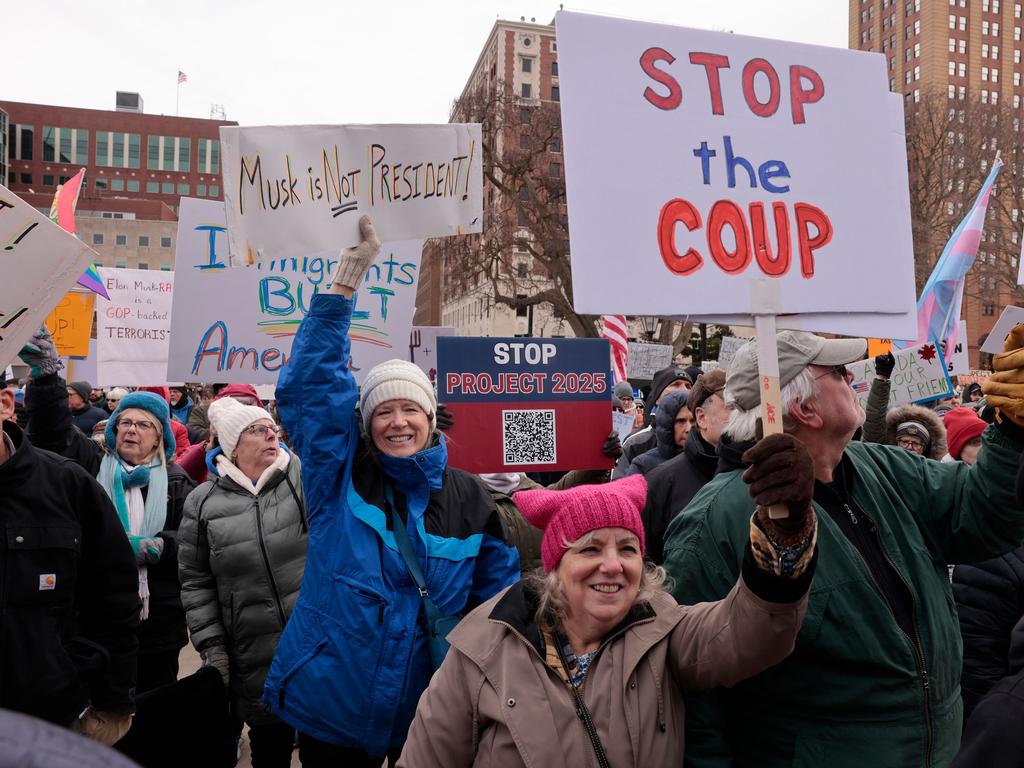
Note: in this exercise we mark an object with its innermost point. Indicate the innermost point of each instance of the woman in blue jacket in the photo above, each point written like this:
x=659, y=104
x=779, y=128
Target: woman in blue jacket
x=354, y=657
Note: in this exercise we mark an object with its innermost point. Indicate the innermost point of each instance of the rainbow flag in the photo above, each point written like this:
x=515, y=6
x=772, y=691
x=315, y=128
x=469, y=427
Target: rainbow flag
x=62, y=213
x=938, y=309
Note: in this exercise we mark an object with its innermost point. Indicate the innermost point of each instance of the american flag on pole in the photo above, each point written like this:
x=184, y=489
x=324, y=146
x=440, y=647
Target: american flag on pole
x=615, y=330
x=182, y=77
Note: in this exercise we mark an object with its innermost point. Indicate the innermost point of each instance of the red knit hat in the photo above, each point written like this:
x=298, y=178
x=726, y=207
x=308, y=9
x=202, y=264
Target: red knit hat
x=565, y=516
x=962, y=426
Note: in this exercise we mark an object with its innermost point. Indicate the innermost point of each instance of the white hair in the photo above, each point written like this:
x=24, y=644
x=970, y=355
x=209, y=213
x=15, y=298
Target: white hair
x=742, y=425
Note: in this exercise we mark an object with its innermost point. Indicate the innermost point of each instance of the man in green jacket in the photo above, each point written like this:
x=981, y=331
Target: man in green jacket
x=875, y=674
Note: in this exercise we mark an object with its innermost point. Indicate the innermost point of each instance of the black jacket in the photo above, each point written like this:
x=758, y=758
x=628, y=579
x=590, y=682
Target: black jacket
x=51, y=428
x=637, y=443
x=665, y=446
x=69, y=590
x=671, y=486
x=990, y=601
x=87, y=417
x=993, y=735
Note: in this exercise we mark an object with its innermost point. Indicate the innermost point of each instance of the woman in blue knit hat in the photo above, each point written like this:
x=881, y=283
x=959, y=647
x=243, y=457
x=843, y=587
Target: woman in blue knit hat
x=147, y=489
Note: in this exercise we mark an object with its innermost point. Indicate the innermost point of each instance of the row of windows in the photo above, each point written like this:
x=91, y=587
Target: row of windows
x=114, y=149
x=97, y=239
x=526, y=64
x=141, y=265
x=131, y=185
x=526, y=91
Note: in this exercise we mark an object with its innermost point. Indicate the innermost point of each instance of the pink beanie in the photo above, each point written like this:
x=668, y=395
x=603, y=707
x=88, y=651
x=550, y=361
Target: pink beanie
x=565, y=516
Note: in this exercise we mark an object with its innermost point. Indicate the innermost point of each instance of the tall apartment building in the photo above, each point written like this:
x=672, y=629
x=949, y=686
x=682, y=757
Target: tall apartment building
x=969, y=50
x=137, y=167
x=521, y=56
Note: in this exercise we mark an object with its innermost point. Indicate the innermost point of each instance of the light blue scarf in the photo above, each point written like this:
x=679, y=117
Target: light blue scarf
x=116, y=477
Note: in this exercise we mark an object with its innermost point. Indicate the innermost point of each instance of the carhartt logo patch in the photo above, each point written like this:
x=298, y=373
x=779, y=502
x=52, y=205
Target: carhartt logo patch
x=47, y=581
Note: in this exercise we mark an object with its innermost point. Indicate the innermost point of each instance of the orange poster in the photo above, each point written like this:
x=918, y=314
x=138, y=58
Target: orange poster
x=71, y=323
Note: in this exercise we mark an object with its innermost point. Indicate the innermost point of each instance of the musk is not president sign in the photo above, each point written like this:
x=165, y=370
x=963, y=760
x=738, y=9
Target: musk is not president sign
x=525, y=405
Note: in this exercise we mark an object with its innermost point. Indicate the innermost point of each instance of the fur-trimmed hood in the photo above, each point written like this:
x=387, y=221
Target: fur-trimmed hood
x=931, y=421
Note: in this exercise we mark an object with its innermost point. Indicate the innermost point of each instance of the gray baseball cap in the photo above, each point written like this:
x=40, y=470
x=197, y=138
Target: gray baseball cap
x=797, y=350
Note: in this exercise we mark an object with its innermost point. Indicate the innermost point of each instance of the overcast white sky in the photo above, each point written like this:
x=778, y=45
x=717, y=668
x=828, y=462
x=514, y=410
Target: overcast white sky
x=323, y=61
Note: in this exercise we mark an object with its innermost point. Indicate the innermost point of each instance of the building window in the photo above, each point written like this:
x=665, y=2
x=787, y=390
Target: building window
x=1016, y=33
x=143, y=241
x=525, y=90
x=984, y=50
x=962, y=69
x=984, y=97
x=97, y=238
x=168, y=153
x=524, y=115
x=165, y=242
x=554, y=69
x=117, y=150
x=214, y=190
x=555, y=94
x=962, y=23
x=201, y=190
x=26, y=178
x=984, y=73
x=183, y=189
x=524, y=141
x=995, y=75
x=47, y=180
x=65, y=145
x=527, y=64
x=952, y=91
x=167, y=188
x=962, y=44
x=984, y=27
x=555, y=146
x=952, y=21
x=1016, y=57
x=165, y=267
x=555, y=170
x=22, y=137
x=65, y=179
x=120, y=239
x=121, y=264
x=952, y=45
x=917, y=73
x=208, y=160
x=133, y=185
x=995, y=98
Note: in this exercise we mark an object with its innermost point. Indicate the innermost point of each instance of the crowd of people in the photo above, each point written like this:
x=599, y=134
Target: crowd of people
x=850, y=589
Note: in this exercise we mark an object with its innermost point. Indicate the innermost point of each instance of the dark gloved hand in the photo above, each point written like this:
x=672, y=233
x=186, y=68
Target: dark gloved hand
x=148, y=551
x=884, y=364
x=40, y=354
x=612, y=448
x=445, y=418
x=215, y=656
x=1005, y=389
x=781, y=472
x=354, y=262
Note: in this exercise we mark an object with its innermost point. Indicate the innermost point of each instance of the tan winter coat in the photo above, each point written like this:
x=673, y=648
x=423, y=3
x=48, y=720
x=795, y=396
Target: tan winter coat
x=494, y=702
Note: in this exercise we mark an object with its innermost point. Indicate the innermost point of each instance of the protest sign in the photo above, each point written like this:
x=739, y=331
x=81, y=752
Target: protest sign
x=727, y=150
x=623, y=424
x=1011, y=317
x=730, y=345
x=524, y=405
x=920, y=375
x=957, y=361
x=70, y=323
x=295, y=190
x=709, y=365
x=878, y=347
x=645, y=360
x=423, y=347
x=237, y=325
x=133, y=327
x=40, y=262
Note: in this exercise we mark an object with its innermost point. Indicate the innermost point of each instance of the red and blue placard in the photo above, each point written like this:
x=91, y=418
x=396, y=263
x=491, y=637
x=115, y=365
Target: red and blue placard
x=525, y=405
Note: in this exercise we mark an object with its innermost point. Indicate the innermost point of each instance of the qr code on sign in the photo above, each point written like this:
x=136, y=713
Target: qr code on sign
x=528, y=437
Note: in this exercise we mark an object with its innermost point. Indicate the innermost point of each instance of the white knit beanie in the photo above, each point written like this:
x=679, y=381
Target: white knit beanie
x=229, y=417
x=397, y=380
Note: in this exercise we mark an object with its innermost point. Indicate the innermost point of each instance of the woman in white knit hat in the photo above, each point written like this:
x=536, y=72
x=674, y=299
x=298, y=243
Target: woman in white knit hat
x=241, y=552
x=357, y=652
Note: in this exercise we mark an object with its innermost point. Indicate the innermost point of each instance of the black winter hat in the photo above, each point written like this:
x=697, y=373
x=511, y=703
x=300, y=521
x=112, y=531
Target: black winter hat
x=83, y=388
x=662, y=379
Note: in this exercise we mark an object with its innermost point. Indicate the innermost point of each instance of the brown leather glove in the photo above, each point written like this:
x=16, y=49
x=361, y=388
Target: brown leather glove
x=781, y=472
x=105, y=727
x=1005, y=389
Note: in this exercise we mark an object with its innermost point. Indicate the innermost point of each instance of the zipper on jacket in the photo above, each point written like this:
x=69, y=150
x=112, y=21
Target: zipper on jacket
x=266, y=565
x=915, y=646
x=851, y=513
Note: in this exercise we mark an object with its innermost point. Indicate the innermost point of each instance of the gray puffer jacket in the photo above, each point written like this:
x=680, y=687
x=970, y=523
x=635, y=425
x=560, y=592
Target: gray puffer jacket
x=241, y=554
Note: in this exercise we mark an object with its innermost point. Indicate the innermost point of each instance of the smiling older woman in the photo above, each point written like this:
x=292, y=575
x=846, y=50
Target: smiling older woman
x=587, y=662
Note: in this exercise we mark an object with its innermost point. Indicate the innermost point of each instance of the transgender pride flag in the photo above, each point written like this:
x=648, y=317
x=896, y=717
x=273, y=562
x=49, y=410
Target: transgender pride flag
x=938, y=309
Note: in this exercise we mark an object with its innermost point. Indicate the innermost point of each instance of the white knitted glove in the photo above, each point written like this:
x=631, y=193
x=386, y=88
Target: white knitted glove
x=355, y=261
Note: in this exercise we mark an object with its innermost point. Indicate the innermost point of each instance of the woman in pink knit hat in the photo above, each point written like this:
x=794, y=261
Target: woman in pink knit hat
x=586, y=663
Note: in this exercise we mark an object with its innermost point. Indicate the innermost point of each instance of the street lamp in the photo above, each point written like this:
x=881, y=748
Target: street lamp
x=650, y=324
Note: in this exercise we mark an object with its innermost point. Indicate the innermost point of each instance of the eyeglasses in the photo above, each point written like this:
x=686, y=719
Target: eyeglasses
x=262, y=430
x=123, y=425
x=910, y=444
x=840, y=371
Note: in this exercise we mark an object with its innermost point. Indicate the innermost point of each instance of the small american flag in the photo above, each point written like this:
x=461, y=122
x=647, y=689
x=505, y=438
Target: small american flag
x=182, y=77
x=861, y=387
x=614, y=329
